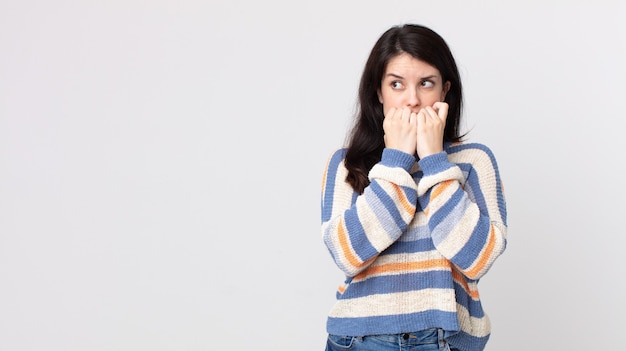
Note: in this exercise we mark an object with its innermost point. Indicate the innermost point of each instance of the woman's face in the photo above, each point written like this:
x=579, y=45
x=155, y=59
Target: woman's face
x=410, y=82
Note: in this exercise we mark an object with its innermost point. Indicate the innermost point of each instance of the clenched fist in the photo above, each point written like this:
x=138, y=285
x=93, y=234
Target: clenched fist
x=400, y=126
x=431, y=122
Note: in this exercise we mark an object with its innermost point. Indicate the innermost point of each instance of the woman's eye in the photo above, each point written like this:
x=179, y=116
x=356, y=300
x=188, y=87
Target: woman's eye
x=427, y=84
x=396, y=85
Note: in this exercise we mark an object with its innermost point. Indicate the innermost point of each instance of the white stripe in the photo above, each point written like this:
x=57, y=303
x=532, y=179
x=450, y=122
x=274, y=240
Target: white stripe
x=478, y=327
x=376, y=233
x=406, y=258
x=450, y=240
x=396, y=303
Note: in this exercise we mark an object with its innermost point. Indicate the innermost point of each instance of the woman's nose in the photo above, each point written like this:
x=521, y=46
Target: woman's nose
x=413, y=99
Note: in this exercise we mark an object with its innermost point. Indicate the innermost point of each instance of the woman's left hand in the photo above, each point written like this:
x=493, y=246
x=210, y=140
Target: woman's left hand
x=431, y=122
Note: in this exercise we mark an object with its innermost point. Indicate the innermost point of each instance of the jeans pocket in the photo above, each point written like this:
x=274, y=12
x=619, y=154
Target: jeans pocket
x=340, y=342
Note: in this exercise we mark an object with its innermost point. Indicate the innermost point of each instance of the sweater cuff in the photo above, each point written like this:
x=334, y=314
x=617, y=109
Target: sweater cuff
x=434, y=163
x=397, y=158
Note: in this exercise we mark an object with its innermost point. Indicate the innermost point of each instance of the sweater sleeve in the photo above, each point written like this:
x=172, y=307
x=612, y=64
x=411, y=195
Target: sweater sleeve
x=466, y=212
x=356, y=228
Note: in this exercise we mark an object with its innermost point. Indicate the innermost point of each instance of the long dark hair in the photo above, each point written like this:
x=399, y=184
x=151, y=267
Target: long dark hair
x=365, y=142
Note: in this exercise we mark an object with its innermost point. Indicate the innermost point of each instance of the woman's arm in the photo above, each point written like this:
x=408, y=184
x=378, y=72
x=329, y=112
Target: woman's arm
x=356, y=228
x=466, y=212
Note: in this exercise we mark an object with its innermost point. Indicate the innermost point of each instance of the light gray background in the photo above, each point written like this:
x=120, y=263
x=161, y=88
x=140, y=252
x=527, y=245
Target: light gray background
x=161, y=162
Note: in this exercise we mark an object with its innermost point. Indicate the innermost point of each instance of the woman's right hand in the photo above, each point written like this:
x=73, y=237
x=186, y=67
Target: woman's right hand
x=400, y=127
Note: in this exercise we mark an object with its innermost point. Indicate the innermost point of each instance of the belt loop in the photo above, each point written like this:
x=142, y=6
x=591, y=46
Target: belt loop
x=441, y=341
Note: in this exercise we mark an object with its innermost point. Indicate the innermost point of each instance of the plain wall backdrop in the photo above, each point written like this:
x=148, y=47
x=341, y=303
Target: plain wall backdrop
x=161, y=164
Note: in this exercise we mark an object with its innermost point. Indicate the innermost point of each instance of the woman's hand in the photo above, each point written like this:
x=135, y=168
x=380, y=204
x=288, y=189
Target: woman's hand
x=431, y=122
x=400, y=126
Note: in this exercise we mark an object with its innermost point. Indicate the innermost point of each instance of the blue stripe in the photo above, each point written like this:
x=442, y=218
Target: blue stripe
x=380, y=209
x=393, y=323
x=358, y=240
x=396, y=283
x=478, y=239
x=410, y=194
x=474, y=307
x=333, y=166
x=494, y=165
x=419, y=245
x=463, y=341
x=416, y=233
x=445, y=218
x=389, y=204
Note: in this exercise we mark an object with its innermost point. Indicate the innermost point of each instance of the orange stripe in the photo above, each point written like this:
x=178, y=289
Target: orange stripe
x=403, y=267
x=345, y=246
x=403, y=200
x=456, y=275
x=485, y=256
x=437, y=190
x=440, y=188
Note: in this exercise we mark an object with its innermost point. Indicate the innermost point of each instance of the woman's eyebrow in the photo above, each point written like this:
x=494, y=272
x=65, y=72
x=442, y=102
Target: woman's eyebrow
x=432, y=76
x=394, y=75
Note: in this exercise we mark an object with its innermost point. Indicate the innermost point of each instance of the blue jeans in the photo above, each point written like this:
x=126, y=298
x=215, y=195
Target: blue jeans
x=425, y=340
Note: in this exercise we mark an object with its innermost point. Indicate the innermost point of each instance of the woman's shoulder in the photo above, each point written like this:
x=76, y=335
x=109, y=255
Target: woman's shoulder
x=468, y=146
x=335, y=159
x=339, y=152
x=337, y=155
x=470, y=151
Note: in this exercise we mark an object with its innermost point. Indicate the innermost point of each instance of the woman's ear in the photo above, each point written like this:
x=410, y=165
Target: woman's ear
x=446, y=88
x=380, y=96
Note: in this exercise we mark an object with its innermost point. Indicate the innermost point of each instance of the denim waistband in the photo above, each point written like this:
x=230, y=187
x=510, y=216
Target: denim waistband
x=427, y=336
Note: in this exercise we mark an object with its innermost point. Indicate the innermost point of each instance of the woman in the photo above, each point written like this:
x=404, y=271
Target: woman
x=412, y=214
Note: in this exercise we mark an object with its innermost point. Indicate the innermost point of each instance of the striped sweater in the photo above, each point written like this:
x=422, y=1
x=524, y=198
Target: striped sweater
x=414, y=245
